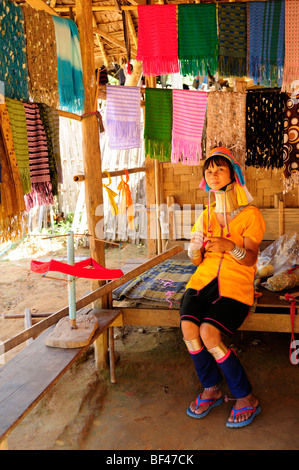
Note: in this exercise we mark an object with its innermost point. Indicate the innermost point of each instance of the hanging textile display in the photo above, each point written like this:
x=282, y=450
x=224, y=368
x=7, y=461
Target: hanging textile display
x=158, y=123
x=226, y=127
x=157, y=47
x=13, y=60
x=126, y=200
x=12, y=206
x=70, y=78
x=54, y=157
x=189, y=110
x=198, y=41
x=41, y=56
x=264, y=128
x=291, y=142
x=266, y=41
x=291, y=64
x=111, y=195
x=17, y=119
x=123, y=116
x=232, y=33
x=38, y=159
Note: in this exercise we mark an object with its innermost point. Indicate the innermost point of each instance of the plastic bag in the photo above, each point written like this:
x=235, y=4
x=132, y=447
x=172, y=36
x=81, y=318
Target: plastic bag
x=281, y=255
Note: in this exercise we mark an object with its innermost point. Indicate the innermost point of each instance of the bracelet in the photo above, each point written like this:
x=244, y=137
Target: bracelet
x=193, y=254
x=238, y=252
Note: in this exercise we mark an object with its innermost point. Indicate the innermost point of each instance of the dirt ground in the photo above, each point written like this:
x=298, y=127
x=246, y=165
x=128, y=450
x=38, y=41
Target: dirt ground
x=146, y=408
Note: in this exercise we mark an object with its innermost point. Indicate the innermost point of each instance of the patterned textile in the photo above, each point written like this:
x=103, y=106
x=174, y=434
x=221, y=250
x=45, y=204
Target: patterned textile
x=291, y=65
x=70, y=77
x=41, y=56
x=12, y=206
x=226, y=123
x=232, y=28
x=266, y=41
x=123, y=116
x=264, y=128
x=158, y=123
x=291, y=142
x=198, y=41
x=48, y=120
x=157, y=39
x=164, y=283
x=17, y=119
x=38, y=159
x=13, y=60
x=189, y=110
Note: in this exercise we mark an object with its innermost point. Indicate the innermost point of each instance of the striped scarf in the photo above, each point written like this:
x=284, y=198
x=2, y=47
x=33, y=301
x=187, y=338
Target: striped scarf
x=291, y=65
x=70, y=77
x=266, y=42
x=157, y=39
x=158, y=123
x=198, y=41
x=189, y=109
x=13, y=60
x=232, y=39
x=17, y=118
x=38, y=159
x=123, y=117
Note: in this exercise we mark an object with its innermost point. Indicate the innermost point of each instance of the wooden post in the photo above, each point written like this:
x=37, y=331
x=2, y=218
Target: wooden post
x=92, y=155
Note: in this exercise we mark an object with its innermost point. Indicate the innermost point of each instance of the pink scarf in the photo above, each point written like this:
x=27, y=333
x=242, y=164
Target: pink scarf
x=189, y=109
x=157, y=39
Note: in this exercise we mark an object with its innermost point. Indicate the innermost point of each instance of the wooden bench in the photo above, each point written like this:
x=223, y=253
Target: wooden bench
x=26, y=378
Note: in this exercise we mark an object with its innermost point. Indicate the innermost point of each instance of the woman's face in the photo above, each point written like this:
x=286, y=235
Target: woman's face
x=217, y=176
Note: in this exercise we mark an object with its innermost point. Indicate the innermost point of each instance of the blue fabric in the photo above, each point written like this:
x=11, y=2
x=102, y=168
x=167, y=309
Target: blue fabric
x=70, y=77
x=235, y=376
x=206, y=368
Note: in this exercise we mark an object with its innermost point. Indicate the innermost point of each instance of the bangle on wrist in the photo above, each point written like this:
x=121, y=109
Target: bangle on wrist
x=193, y=254
x=238, y=252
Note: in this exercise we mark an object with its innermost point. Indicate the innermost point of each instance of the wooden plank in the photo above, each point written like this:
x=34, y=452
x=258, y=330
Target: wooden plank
x=28, y=322
x=26, y=378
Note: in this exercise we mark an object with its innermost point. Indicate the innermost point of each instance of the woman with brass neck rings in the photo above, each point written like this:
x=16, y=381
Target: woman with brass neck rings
x=224, y=247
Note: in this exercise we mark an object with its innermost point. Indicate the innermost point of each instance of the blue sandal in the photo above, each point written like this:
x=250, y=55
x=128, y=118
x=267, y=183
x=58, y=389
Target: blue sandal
x=254, y=410
x=199, y=402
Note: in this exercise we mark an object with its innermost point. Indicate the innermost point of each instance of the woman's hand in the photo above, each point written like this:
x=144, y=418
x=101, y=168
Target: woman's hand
x=218, y=244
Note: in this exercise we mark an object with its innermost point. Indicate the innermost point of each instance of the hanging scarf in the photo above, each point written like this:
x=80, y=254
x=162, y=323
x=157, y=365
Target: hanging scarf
x=12, y=206
x=126, y=200
x=54, y=157
x=70, y=78
x=123, y=116
x=17, y=119
x=290, y=142
x=41, y=56
x=111, y=195
x=291, y=65
x=266, y=41
x=232, y=32
x=13, y=60
x=264, y=128
x=198, y=41
x=157, y=39
x=189, y=109
x=226, y=123
x=158, y=123
x=38, y=159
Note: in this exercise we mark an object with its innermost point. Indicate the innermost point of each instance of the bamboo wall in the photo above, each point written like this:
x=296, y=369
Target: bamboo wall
x=182, y=181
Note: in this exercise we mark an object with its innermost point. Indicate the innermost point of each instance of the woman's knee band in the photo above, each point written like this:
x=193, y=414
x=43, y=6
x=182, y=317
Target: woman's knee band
x=193, y=345
x=219, y=352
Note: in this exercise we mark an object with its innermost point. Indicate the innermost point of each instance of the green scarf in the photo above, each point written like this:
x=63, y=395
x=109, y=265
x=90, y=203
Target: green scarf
x=232, y=22
x=158, y=123
x=198, y=41
x=17, y=119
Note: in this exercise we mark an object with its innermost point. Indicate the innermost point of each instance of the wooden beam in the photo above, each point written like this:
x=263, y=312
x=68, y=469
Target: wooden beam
x=90, y=134
x=97, y=8
x=112, y=39
x=40, y=5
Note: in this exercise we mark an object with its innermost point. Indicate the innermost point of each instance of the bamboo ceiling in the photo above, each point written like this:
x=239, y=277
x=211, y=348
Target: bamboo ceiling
x=109, y=43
